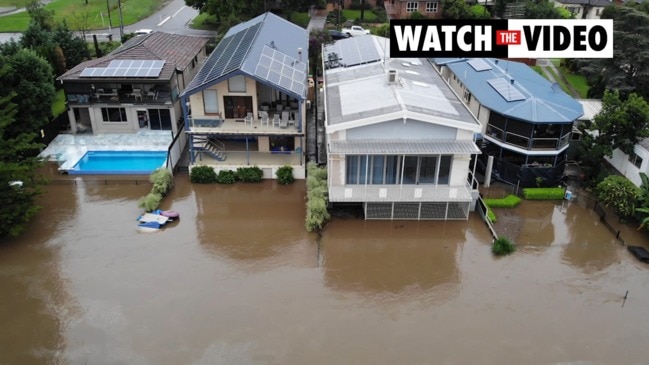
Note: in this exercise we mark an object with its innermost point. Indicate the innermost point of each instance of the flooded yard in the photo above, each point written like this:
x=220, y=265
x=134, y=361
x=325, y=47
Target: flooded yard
x=238, y=281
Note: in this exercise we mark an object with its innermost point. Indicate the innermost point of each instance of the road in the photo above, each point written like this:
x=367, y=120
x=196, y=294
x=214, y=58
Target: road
x=172, y=18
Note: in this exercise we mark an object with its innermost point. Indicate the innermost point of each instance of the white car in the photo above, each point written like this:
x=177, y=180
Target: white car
x=142, y=32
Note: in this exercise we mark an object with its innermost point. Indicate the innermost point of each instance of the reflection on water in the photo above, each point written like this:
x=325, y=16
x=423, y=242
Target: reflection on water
x=237, y=280
x=375, y=257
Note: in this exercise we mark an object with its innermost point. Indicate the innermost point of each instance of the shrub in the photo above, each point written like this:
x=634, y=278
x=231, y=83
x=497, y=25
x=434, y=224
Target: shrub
x=250, y=174
x=317, y=201
x=381, y=15
x=417, y=15
x=620, y=194
x=202, y=175
x=543, y=193
x=502, y=246
x=226, y=177
x=356, y=5
x=162, y=180
x=150, y=202
x=510, y=201
x=285, y=175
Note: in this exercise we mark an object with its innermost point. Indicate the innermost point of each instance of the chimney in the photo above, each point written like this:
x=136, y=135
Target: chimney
x=299, y=54
x=392, y=76
x=512, y=80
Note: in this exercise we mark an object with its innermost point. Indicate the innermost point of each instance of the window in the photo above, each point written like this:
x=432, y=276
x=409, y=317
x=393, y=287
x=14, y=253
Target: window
x=237, y=84
x=387, y=170
x=113, y=114
x=431, y=7
x=160, y=119
x=467, y=96
x=210, y=102
x=598, y=12
x=412, y=6
x=635, y=160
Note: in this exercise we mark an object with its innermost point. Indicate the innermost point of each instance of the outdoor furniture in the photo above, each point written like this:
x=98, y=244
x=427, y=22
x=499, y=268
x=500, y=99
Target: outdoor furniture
x=284, y=122
x=248, y=119
x=278, y=108
x=276, y=120
x=264, y=118
x=152, y=95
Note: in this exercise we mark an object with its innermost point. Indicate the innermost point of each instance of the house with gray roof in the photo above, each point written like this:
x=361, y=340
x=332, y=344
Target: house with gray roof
x=584, y=9
x=136, y=87
x=399, y=141
x=247, y=105
x=527, y=120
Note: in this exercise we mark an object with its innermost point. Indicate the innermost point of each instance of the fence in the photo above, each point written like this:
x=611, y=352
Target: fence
x=52, y=129
x=175, y=150
x=481, y=207
x=599, y=210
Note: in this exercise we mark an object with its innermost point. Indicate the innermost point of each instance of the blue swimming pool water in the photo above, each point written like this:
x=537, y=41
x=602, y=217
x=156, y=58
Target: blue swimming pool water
x=119, y=162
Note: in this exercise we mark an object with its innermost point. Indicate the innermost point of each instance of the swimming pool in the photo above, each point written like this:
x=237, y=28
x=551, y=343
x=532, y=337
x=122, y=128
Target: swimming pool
x=119, y=162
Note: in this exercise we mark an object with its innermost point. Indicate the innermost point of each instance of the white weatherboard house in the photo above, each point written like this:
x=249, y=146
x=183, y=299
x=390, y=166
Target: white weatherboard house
x=399, y=141
x=247, y=105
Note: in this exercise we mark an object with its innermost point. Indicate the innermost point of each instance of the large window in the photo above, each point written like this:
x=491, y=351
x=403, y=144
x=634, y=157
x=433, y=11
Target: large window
x=237, y=84
x=160, y=119
x=210, y=102
x=113, y=114
x=431, y=7
x=387, y=170
x=412, y=6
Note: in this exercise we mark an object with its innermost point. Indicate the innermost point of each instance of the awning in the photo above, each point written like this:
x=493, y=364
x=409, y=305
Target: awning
x=392, y=147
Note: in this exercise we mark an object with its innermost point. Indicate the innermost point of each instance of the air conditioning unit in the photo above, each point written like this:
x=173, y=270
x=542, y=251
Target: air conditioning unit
x=308, y=104
x=392, y=76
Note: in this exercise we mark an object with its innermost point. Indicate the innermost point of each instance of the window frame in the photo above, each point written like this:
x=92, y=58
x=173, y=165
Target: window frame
x=106, y=114
x=409, y=6
x=216, y=101
x=432, y=6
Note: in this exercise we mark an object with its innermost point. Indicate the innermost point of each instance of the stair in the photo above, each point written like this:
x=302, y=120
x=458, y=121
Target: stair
x=212, y=147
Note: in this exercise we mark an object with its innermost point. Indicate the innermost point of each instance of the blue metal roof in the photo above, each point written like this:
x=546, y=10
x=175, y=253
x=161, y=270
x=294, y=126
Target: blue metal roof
x=543, y=102
x=267, y=48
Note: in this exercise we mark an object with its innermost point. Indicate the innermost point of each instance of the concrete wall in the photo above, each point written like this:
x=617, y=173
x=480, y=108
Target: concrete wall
x=299, y=172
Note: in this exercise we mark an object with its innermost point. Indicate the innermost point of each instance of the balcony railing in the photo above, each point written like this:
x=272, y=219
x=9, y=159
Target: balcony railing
x=526, y=142
x=119, y=98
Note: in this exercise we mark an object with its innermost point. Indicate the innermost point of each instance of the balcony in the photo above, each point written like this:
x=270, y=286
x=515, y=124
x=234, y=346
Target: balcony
x=215, y=125
x=399, y=193
x=526, y=143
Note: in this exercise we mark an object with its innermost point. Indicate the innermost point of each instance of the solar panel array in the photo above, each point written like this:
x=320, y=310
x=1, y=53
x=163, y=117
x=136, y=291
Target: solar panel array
x=282, y=70
x=506, y=89
x=228, y=55
x=126, y=68
x=354, y=51
x=479, y=64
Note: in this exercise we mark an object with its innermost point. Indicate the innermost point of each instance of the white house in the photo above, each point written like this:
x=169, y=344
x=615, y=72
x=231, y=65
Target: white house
x=399, y=141
x=584, y=9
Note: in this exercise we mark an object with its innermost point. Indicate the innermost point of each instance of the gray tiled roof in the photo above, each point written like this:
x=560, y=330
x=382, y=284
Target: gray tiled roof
x=176, y=50
x=415, y=147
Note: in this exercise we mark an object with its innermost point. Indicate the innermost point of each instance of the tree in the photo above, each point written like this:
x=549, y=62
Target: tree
x=18, y=183
x=622, y=123
x=628, y=70
x=29, y=77
x=545, y=9
x=620, y=194
x=74, y=48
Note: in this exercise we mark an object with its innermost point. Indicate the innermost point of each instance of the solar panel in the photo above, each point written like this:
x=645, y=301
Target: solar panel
x=353, y=51
x=282, y=70
x=506, y=89
x=126, y=68
x=479, y=64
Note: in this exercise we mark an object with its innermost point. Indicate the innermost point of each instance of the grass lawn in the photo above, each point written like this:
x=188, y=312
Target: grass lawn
x=204, y=21
x=58, y=106
x=577, y=81
x=75, y=11
x=301, y=19
x=561, y=83
x=356, y=14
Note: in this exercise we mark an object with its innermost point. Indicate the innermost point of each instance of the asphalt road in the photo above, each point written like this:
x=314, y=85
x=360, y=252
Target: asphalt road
x=173, y=18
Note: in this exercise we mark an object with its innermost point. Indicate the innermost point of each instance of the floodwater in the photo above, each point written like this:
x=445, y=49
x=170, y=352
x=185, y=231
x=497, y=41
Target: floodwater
x=238, y=281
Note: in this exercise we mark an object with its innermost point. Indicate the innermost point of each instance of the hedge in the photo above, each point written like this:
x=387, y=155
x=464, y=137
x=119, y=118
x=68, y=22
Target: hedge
x=502, y=246
x=510, y=201
x=544, y=193
x=250, y=174
x=317, y=199
x=491, y=215
x=202, y=175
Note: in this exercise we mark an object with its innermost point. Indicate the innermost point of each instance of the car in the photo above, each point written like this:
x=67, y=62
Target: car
x=142, y=32
x=355, y=30
x=336, y=35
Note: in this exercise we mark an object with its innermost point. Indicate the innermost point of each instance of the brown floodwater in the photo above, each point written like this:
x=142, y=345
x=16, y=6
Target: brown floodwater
x=237, y=280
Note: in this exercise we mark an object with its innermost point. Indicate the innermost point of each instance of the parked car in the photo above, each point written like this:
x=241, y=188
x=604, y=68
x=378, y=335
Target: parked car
x=336, y=35
x=142, y=32
x=356, y=30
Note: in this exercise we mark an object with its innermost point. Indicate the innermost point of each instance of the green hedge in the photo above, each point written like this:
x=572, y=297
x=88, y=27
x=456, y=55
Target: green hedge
x=317, y=199
x=202, y=175
x=226, y=177
x=285, y=175
x=544, y=193
x=510, y=201
x=491, y=215
x=250, y=174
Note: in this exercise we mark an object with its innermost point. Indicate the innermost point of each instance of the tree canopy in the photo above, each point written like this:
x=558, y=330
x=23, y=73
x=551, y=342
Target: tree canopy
x=628, y=70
